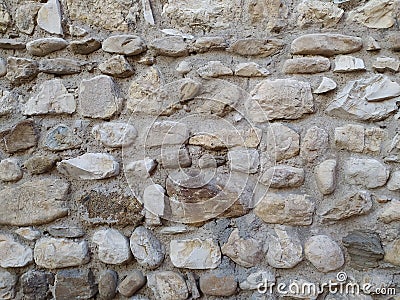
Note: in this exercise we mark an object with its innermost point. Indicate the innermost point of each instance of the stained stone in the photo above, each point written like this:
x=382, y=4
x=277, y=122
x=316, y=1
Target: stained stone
x=392, y=253
x=21, y=70
x=325, y=86
x=61, y=137
x=390, y=212
x=108, y=283
x=28, y=233
x=36, y=284
x=314, y=144
x=65, y=231
x=12, y=44
x=5, y=17
x=324, y=253
x=40, y=164
x=10, y=170
x=318, y=13
x=350, y=137
x=374, y=14
x=214, y=69
x=250, y=69
x=85, y=46
x=218, y=285
x=173, y=46
x=25, y=16
x=256, y=47
x=244, y=160
x=306, y=65
x=74, y=284
x=374, y=138
x=21, y=136
x=124, y=44
x=284, y=250
x=8, y=282
x=325, y=176
x=394, y=181
x=168, y=285
x=116, y=66
x=347, y=63
x=282, y=176
x=60, y=66
x=44, y=46
x=284, y=142
x=12, y=253
x=112, y=246
x=209, y=43
x=115, y=134
x=366, y=172
x=7, y=102
x=49, y=17
x=35, y=195
x=132, y=283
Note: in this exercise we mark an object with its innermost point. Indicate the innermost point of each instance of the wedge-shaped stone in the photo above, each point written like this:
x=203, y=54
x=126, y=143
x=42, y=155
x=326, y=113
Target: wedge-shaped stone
x=49, y=17
x=124, y=44
x=306, y=65
x=251, y=69
x=256, y=47
x=85, y=46
x=374, y=14
x=34, y=203
x=42, y=47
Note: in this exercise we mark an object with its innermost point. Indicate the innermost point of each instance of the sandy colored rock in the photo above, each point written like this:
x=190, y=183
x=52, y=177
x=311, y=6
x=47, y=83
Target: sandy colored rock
x=74, y=283
x=251, y=69
x=374, y=14
x=28, y=233
x=132, y=283
x=115, y=134
x=214, y=69
x=49, y=17
x=21, y=70
x=209, y=43
x=12, y=44
x=168, y=285
x=173, y=46
x=348, y=63
x=282, y=176
x=314, y=144
x=112, y=246
x=306, y=65
x=116, y=66
x=325, y=176
x=124, y=44
x=394, y=181
x=392, y=253
x=324, y=253
x=285, y=250
x=318, y=13
x=256, y=47
x=25, y=16
x=325, y=86
x=167, y=133
x=12, y=253
x=384, y=63
x=284, y=142
x=5, y=17
x=246, y=161
x=8, y=282
x=366, y=172
x=350, y=137
x=390, y=212
x=218, y=285
x=10, y=170
x=85, y=46
x=60, y=66
x=108, y=283
x=44, y=46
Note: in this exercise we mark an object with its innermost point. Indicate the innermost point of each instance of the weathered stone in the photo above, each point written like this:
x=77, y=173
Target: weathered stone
x=195, y=254
x=209, y=43
x=60, y=66
x=374, y=138
x=36, y=284
x=325, y=44
x=390, y=212
x=374, y=14
x=372, y=44
x=86, y=46
x=34, y=202
x=28, y=233
x=184, y=67
x=52, y=253
x=393, y=41
x=124, y=44
x=348, y=63
x=52, y=98
x=90, y=166
x=21, y=70
x=75, y=284
x=245, y=252
x=44, y=46
x=280, y=99
x=116, y=66
x=253, y=281
x=284, y=250
x=12, y=253
x=49, y=17
x=306, y=65
x=168, y=285
x=256, y=47
x=141, y=168
x=366, y=99
x=283, y=142
x=288, y=209
x=7, y=102
x=112, y=246
x=7, y=285
x=3, y=69
x=364, y=247
x=25, y=16
x=392, y=253
x=325, y=86
x=244, y=160
x=20, y=137
x=108, y=283
x=314, y=144
x=5, y=17
x=218, y=285
x=250, y=69
x=132, y=283
x=146, y=248
x=173, y=46
x=282, y=176
x=77, y=31
x=12, y=44
x=394, y=181
x=324, y=253
x=175, y=158
x=350, y=137
x=61, y=137
x=384, y=63
x=154, y=199
x=10, y=170
x=65, y=231
x=40, y=164
x=98, y=98
x=366, y=172
x=325, y=176
x=114, y=134
x=214, y=69
x=167, y=133
x=318, y=13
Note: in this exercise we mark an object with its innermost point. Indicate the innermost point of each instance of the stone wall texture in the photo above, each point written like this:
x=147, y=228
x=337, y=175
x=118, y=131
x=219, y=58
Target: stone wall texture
x=199, y=149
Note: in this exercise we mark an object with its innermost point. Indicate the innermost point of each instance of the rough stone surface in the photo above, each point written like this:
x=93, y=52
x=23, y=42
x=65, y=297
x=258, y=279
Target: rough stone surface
x=60, y=66
x=392, y=253
x=168, y=285
x=41, y=164
x=282, y=176
x=323, y=14
x=325, y=176
x=383, y=64
x=284, y=142
x=10, y=170
x=49, y=17
x=116, y=66
x=251, y=69
x=124, y=44
x=28, y=233
x=42, y=47
x=112, y=246
x=25, y=16
x=254, y=279
x=21, y=136
x=306, y=65
x=12, y=253
x=7, y=285
x=374, y=14
x=36, y=284
x=132, y=283
x=394, y=181
x=350, y=137
x=245, y=161
x=214, y=69
x=74, y=284
x=325, y=86
x=173, y=46
x=314, y=144
x=218, y=285
x=390, y=212
x=61, y=137
x=108, y=283
x=85, y=46
x=285, y=250
x=115, y=134
x=366, y=172
x=21, y=70
x=347, y=63
x=256, y=47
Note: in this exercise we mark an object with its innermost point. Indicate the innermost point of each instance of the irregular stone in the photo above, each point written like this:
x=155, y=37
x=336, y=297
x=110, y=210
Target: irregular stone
x=374, y=138
x=256, y=47
x=20, y=137
x=374, y=14
x=108, y=283
x=325, y=86
x=195, y=254
x=173, y=46
x=364, y=247
x=60, y=66
x=21, y=70
x=253, y=281
x=306, y=65
x=384, y=63
x=28, y=233
x=141, y=168
x=132, y=283
x=86, y=46
x=77, y=31
x=52, y=253
x=36, y=284
x=5, y=17
x=282, y=176
x=325, y=176
x=115, y=134
x=209, y=43
x=192, y=285
x=10, y=170
x=394, y=181
x=184, y=67
x=366, y=99
x=167, y=133
x=90, y=166
x=44, y=46
x=214, y=69
x=393, y=41
x=7, y=102
x=49, y=17
x=12, y=44
x=372, y=44
x=250, y=69
x=3, y=67
x=347, y=63
x=116, y=66
x=350, y=137
x=25, y=16
x=280, y=99
x=290, y=209
x=315, y=143
x=218, y=285
x=168, y=285
x=175, y=158
x=124, y=44
x=61, y=137
x=75, y=284
x=390, y=212
x=245, y=252
x=146, y=248
x=154, y=199
x=284, y=142
x=23, y=205
x=12, y=253
x=41, y=163
x=52, y=98
x=98, y=97
x=325, y=44
x=8, y=282
x=244, y=160
x=112, y=246
x=366, y=172
x=284, y=250
x=65, y=231
x=324, y=253
x=318, y=13
x=392, y=253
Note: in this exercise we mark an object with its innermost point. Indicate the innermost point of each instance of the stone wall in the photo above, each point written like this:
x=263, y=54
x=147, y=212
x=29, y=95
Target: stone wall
x=193, y=149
